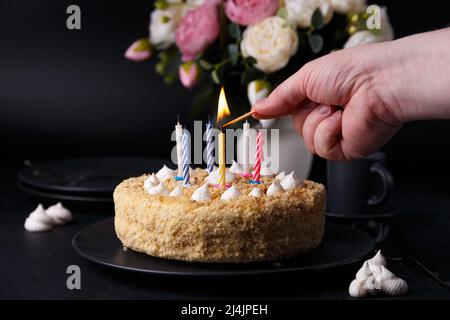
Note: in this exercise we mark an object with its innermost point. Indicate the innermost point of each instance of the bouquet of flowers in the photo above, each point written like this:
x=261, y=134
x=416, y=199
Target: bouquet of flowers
x=250, y=45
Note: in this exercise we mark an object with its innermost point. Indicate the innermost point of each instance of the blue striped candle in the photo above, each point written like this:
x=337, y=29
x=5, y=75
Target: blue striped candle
x=209, y=148
x=186, y=157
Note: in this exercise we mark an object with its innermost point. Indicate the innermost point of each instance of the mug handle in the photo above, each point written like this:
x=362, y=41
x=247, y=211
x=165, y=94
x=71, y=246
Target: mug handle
x=388, y=184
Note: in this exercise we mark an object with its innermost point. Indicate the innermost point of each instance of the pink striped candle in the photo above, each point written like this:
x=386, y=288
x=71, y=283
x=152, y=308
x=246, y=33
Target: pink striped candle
x=258, y=157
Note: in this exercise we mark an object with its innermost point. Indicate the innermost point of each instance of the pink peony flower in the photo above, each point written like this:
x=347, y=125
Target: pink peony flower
x=245, y=12
x=197, y=30
x=189, y=74
x=139, y=50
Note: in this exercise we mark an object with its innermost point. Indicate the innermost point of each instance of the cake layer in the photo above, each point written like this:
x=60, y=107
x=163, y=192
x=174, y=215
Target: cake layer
x=243, y=229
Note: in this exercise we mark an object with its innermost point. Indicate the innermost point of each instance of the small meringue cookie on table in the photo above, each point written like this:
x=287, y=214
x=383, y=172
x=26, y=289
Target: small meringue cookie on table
x=177, y=192
x=394, y=287
x=357, y=289
x=236, y=168
x=374, y=277
x=364, y=272
x=59, y=213
x=36, y=226
x=274, y=188
x=165, y=173
x=256, y=192
x=378, y=259
x=230, y=193
x=372, y=285
x=201, y=193
x=160, y=189
x=39, y=215
x=38, y=221
x=214, y=176
x=290, y=182
x=381, y=273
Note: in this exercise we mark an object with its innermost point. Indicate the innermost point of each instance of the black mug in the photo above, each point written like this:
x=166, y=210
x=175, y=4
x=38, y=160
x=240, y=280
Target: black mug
x=358, y=186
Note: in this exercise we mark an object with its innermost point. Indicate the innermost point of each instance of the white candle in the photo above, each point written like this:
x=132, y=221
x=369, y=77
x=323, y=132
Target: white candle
x=245, y=142
x=179, y=138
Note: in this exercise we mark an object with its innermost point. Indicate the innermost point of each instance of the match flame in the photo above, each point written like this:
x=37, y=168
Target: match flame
x=222, y=107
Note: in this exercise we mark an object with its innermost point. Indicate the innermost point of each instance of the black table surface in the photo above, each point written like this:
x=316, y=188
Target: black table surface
x=34, y=265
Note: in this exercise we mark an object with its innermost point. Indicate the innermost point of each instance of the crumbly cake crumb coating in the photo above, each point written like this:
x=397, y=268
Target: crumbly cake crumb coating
x=244, y=229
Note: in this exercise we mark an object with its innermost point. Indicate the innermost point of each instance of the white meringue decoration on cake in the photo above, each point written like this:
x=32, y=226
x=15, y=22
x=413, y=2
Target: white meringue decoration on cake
x=177, y=192
x=160, y=189
x=214, y=176
x=394, y=287
x=256, y=192
x=378, y=259
x=274, y=188
x=236, y=168
x=266, y=171
x=290, y=182
x=230, y=193
x=153, y=179
x=281, y=175
x=38, y=221
x=357, y=289
x=150, y=182
x=59, y=213
x=165, y=173
x=201, y=193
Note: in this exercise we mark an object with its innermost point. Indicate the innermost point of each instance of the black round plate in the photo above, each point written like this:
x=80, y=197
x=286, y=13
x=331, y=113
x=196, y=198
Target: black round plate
x=341, y=246
x=384, y=212
x=65, y=196
x=86, y=175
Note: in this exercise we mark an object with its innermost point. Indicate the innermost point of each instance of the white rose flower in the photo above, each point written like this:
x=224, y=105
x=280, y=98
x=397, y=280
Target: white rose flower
x=346, y=6
x=271, y=42
x=300, y=11
x=163, y=24
x=364, y=37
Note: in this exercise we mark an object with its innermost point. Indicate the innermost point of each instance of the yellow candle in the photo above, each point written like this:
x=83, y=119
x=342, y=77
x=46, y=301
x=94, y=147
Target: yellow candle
x=222, y=169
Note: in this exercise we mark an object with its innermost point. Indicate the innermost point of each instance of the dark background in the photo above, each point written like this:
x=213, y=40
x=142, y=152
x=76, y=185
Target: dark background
x=69, y=93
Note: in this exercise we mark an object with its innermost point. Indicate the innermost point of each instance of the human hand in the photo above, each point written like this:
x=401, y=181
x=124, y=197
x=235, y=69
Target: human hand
x=349, y=103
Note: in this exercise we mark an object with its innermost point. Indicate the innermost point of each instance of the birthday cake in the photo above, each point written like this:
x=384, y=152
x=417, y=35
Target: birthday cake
x=277, y=218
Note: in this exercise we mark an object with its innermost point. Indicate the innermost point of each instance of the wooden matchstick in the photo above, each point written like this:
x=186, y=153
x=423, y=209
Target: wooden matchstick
x=246, y=115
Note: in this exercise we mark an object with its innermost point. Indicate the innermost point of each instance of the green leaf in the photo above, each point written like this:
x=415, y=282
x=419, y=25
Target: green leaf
x=234, y=31
x=315, y=42
x=160, y=68
x=169, y=79
x=174, y=62
x=205, y=64
x=317, y=20
x=161, y=4
x=143, y=45
x=233, y=51
x=215, y=76
x=283, y=13
x=250, y=60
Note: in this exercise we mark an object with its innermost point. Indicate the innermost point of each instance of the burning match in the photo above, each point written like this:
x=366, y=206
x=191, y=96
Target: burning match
x=246, y=115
